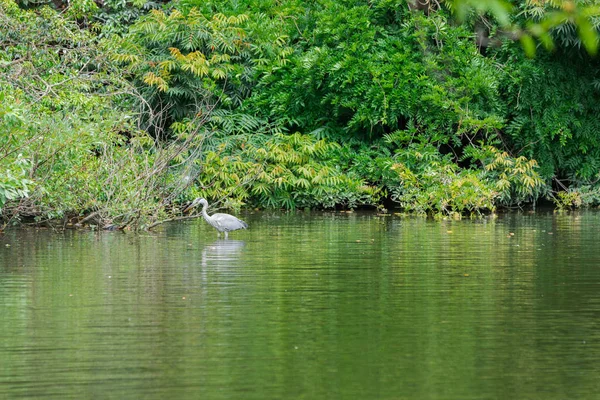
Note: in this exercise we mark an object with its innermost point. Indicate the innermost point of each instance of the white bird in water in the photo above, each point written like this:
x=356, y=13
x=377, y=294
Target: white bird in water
x=221, y=222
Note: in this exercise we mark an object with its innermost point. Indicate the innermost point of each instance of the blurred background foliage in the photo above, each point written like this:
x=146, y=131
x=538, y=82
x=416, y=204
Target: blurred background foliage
x=117, y=113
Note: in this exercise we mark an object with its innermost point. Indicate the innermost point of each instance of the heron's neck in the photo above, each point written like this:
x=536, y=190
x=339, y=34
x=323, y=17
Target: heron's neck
x=204, y=213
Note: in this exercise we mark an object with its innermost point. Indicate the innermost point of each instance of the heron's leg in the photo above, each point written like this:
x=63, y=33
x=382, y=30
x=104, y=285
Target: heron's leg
x=226, y=233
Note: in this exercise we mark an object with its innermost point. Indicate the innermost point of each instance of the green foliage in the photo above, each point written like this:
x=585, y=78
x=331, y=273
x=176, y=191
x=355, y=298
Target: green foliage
x=430, y=182
x=370, y=162
x=364, y=72
x=566, y=200
x=115, y=16
x=62, y=113
x=552, y=114
x=500, y=9
x=570, y=23
x=47, y=70
x=185, y=63
x=118, y=124
x=566, y=22
x=515, y=179
x=14, y=182
x=281, y=171
x=107, y=16
x=443, y=189
x=583, y=196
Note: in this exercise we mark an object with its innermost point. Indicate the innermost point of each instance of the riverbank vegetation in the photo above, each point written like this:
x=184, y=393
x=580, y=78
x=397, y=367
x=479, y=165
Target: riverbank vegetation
x=115, y=114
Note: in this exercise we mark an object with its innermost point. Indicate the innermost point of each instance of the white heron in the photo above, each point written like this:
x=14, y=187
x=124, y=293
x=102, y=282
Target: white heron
x=221, y=222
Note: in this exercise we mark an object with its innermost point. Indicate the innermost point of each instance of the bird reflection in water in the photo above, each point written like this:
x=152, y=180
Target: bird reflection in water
x=222, y=252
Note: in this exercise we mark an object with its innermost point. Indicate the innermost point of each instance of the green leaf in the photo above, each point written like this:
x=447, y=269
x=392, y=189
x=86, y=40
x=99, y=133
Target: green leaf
x=528, y=45
x=588, y=34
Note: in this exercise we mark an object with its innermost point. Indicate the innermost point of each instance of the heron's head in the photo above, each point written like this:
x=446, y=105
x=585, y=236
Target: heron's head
x=195, y=203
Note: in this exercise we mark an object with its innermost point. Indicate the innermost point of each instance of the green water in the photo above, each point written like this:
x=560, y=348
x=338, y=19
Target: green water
x=306, y=306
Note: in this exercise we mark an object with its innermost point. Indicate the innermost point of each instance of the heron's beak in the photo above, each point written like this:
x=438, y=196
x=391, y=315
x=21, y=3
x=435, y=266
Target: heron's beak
x=189, y=207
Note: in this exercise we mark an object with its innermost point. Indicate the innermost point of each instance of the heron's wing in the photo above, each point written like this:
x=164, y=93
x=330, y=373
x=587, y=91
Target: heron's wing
x=228, y=222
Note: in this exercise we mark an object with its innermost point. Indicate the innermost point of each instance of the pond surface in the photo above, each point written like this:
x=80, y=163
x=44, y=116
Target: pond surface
x=306, y=306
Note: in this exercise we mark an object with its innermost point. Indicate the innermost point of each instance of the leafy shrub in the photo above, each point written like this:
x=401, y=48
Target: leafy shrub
x=552, y=114
x=429, y=182
x=361, y=72
x=197, y=99
x=515, y=179
x=282, y=171
x=583, y=196
x=70, y=143
x=184, y=63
